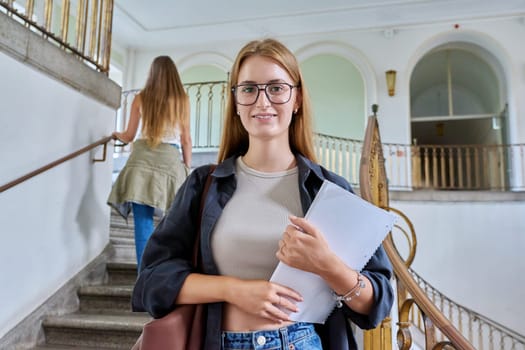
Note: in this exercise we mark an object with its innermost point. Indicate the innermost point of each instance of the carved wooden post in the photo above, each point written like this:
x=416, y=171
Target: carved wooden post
x=374, y=188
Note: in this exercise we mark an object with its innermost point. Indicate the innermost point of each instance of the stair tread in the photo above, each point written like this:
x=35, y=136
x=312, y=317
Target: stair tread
x=122, y=226
x=122, y=265
x=123, y=241
x=117, y=218
x=107, y=290
x=124, y=321
x=124, y=235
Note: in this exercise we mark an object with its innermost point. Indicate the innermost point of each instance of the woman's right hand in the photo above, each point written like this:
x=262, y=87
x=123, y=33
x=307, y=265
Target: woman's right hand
x=264, y=299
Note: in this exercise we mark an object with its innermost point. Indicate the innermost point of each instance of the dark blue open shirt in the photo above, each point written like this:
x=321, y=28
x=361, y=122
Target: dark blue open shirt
x=167, y=258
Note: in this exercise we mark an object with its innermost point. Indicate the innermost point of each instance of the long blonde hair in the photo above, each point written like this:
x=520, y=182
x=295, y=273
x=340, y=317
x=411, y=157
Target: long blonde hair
x=234, y=138
x=165, y=104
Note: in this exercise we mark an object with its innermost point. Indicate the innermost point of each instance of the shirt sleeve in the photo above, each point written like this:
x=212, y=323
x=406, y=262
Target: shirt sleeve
x=379, y=271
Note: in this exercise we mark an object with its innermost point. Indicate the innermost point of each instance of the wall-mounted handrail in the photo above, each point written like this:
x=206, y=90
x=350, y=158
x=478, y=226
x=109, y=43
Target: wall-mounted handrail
x=102, y=141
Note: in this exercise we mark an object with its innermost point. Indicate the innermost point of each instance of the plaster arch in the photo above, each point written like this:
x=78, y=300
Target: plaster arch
x=482, y=46
x=351, y=54
x=206, y=59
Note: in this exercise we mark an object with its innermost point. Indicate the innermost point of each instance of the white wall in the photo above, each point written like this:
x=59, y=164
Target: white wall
x=51, y=226
x=472, y=252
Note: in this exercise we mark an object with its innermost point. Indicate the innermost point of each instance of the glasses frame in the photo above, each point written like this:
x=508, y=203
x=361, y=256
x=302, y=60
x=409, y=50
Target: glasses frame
x=265, y=89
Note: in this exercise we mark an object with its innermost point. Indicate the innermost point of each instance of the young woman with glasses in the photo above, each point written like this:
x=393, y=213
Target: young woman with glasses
x=263, y=185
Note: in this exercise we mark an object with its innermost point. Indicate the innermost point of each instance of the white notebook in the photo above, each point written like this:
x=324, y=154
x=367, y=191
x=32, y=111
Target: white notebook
x=354, y=229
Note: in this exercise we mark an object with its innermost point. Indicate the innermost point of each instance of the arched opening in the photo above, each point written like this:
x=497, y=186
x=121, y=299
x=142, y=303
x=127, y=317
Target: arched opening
x=458, y=115
x=337, y=92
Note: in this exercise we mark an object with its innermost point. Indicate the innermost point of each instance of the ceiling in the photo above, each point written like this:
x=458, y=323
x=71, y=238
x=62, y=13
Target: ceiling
x=168, y=23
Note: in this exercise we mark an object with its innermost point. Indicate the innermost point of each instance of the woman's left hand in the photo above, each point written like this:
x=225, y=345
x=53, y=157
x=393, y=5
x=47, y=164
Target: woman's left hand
x=304, y=247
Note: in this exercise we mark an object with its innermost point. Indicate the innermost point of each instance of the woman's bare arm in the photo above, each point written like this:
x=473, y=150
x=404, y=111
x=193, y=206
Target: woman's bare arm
x=133, y=123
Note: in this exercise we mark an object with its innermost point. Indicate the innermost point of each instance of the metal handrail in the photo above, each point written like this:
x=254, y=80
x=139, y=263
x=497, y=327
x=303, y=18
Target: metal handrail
x=102, y=141
x=438, y=298
x=419, y=297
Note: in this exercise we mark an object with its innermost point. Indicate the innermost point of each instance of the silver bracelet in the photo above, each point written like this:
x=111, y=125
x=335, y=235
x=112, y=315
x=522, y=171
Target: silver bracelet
x=354, y=292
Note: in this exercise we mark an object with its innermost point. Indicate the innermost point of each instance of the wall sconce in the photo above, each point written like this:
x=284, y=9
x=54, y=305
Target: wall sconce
x=391, y=82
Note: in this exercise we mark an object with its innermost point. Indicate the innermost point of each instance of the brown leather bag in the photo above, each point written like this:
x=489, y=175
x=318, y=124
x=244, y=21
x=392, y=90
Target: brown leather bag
x=183, y=328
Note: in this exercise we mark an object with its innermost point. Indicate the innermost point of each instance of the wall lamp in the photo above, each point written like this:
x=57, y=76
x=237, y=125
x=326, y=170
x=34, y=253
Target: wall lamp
x=391, y=82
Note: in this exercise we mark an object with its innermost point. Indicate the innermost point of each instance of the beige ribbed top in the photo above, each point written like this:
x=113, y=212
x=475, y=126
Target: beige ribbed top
x=247, y=233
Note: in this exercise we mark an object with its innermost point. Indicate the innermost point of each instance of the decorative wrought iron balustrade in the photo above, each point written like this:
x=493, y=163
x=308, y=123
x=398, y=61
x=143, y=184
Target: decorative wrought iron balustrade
x=82, y=27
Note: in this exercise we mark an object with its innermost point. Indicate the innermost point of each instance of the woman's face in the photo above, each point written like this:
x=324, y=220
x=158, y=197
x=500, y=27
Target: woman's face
x=263, y=119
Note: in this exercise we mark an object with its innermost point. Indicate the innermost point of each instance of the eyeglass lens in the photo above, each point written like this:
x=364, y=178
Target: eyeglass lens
x=247, y=94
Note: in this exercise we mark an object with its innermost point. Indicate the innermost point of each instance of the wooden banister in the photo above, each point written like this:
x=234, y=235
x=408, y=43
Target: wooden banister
x=102, y=141
x=374, y=188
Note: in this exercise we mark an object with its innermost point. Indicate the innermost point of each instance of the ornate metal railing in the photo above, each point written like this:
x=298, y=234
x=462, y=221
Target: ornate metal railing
x=207, y=101
x=481, y=331
x=90, y=35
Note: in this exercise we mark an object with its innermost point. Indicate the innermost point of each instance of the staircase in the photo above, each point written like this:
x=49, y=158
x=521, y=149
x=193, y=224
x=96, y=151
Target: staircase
x=104, y=319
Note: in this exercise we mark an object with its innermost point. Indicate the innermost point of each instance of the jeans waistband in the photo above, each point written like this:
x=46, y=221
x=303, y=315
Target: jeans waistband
x=268, y=339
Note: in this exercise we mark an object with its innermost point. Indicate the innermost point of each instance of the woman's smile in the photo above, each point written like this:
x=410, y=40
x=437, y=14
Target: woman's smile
x=264, y=116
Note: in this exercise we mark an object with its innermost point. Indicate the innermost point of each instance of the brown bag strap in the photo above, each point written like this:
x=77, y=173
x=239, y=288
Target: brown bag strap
x=197, y=261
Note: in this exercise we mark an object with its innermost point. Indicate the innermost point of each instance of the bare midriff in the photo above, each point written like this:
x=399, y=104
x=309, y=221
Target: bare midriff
x=237, y=320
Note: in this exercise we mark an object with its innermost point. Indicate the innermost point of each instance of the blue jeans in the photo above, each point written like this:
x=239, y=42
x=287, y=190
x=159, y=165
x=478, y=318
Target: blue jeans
x=143, y=218
x=298, y=336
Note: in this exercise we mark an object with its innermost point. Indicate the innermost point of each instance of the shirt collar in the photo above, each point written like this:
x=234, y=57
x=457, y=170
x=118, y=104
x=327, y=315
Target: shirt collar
x=304, y=165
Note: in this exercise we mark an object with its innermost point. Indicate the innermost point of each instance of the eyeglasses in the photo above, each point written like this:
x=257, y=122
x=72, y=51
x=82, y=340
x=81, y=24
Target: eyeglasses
x=278, y=93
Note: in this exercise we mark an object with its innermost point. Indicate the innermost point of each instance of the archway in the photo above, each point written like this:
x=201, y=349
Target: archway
x=458, y=118
x=356, y=63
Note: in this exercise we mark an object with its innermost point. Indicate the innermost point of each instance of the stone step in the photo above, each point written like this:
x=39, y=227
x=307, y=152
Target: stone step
x=123, y=251
x=122, y=273
x=122, y=230
x=117, y=331
x=122, y=238
x=117, y=219
x=105, y=299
